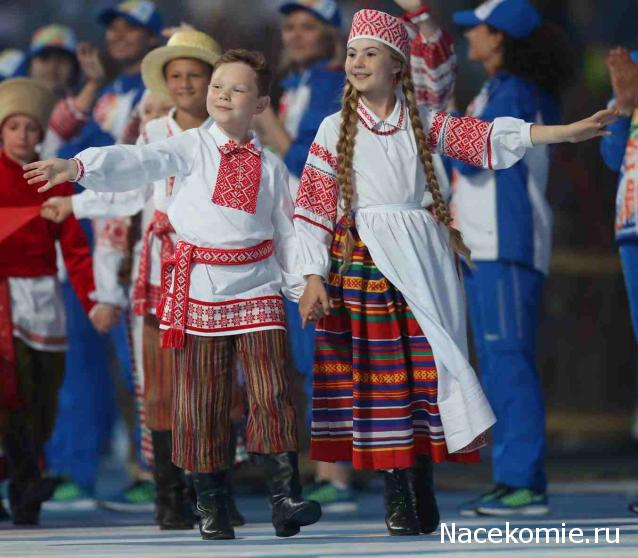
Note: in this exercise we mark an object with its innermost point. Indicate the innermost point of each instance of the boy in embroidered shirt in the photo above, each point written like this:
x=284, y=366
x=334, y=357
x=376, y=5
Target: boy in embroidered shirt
x=237, y=250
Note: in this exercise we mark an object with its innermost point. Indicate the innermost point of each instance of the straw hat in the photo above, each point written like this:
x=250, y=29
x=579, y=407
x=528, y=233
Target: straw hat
x=26, y=96
x=183, y=44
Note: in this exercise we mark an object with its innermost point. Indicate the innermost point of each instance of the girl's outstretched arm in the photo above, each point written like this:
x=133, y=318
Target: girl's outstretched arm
x=583, y=130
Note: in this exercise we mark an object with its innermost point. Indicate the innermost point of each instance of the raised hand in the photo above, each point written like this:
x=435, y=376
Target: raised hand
x=410, y=5
x=314, y=303
x=623, y=72
x=90, y=63
x=57, y=209
x=50, y=171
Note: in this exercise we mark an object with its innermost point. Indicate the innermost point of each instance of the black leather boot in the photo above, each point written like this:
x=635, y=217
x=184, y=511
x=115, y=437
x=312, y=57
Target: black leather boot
x=289, y=510
x=426, y=507
x=27, y=488
x=400, y=510
x=172, y=506
x=212, y=505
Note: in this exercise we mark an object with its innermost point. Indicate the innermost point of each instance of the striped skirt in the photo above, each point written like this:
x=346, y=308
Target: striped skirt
x=203, y=393
x=375, y=380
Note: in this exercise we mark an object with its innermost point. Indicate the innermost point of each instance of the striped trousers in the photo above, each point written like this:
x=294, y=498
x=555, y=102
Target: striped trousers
x=202, y=398
x=158, y=365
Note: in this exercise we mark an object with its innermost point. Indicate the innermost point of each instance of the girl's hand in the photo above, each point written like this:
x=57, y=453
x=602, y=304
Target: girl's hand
x=57, y=209
x=90, y=63
x=50, y=171
x=410, y=5
x=592, y=127
x=314, y=303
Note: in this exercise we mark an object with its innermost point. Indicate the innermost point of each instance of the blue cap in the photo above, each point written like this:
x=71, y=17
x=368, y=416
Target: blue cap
x=517, y=18
x=137, y=12
x=11, y=60
x=325, y=10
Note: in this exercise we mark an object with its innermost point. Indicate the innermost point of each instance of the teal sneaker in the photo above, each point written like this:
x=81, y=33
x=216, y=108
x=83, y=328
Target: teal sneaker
x=69, y=495
x=136, y=498
x=469, y=509
x=516, y=501
x=332, y=498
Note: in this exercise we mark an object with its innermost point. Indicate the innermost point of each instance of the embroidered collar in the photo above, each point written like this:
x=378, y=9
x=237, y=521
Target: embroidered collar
x=227, y=145
x=396, y=121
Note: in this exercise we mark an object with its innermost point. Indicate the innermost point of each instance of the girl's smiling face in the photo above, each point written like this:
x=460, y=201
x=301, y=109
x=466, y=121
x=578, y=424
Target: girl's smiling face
x=370, y=66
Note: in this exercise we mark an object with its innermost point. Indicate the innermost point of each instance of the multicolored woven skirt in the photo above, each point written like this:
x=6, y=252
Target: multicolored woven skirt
x=375, y=380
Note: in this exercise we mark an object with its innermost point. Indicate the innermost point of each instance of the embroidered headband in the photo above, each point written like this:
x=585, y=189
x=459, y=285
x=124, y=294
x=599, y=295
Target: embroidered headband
x=382, y=27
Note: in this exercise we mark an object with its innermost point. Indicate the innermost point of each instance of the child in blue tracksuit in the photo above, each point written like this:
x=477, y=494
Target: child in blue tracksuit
x=506, y=221
x=620, y=152
x=132, y=29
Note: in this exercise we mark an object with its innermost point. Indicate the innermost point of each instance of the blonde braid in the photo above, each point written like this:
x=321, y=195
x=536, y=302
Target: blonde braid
x=441, y=209
x=345, y=153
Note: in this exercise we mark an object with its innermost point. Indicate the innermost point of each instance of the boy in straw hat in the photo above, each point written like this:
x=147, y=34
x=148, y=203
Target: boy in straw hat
x=221, y=300
x=32, y=320
x=178, y=73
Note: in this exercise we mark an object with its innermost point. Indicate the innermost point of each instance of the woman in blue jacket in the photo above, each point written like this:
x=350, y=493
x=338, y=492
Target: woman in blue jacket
x=506, y=222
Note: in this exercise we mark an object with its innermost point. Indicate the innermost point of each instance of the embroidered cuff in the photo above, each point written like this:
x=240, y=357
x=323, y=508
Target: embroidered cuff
x=81, y=170
x=526, y=135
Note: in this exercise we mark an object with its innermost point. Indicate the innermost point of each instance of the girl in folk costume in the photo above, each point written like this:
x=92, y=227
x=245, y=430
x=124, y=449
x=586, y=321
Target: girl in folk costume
x=32, y=320
x=221, y=299
x=393, y=387
x=178, y=73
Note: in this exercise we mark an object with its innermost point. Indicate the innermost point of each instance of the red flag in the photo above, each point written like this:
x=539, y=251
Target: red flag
x=12, y=218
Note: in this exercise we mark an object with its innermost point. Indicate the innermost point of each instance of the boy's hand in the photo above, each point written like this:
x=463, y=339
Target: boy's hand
x=57, y=209
x=314, y=303
x=50, y=171
x=104, y=317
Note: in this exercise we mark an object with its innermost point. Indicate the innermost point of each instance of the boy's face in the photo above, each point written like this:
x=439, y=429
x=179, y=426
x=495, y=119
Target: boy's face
x=233, y=97
x=187, y=82
x=20, y=134
x=152, y=108
x=127, y=43
x=52, y=69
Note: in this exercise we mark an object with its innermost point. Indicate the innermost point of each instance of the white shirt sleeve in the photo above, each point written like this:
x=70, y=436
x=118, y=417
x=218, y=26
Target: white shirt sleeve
x=490, y=145
x=120, y=168
x=316, y=205
x=91, y=205
x=285, y=239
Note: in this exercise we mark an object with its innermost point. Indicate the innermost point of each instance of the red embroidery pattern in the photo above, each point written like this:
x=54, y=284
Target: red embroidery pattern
x=368, y=121
x=161, y=228
x=207, y=317
x=318, y=193
x=114, y=233
x=322, y=153
x=185, y=254
x=466, y=139
x=238, y=177
x=382, y=26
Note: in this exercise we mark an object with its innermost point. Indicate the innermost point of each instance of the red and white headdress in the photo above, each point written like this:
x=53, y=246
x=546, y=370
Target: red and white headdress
x=382, y=27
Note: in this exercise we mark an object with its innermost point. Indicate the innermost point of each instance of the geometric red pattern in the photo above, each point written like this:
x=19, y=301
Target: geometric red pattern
x=185, y=255
x=238, y=177
x=159, y=227
x=217, y=317
x=466, y=139
x=318, y=193
x=382, y=27
x=322, y=153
